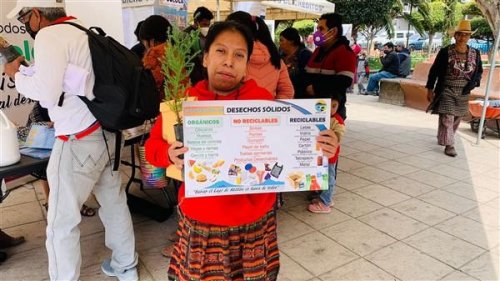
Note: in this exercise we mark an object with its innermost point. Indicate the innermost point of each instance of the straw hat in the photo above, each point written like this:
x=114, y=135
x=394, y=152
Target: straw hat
x=464, y=27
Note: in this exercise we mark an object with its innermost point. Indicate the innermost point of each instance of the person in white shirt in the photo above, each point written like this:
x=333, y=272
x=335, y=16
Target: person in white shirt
x=80, y=162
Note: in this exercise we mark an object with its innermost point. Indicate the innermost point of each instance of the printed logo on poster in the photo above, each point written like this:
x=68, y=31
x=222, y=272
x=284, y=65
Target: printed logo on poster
x=178, y=4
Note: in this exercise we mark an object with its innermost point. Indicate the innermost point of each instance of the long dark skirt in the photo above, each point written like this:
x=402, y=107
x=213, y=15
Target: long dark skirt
x=209, y=252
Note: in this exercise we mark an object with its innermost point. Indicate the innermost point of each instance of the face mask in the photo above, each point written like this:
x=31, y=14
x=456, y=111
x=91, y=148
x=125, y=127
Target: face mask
x=30, y=31
x=204, y=31
x=319, y=38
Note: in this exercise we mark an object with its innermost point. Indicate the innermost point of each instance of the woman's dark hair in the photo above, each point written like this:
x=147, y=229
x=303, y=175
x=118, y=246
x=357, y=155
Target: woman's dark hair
x=202, y=13
x=292, y=34
x=219, y=27
x=260, y=32
x=155, y=27
x=138, y=29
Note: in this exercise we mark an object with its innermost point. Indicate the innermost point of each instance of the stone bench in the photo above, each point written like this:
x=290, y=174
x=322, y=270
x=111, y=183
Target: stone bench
x=411, y=92
x=391, y=92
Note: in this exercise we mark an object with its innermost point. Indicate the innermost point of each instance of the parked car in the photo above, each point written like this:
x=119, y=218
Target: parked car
x=482, y=45
x=417, y=42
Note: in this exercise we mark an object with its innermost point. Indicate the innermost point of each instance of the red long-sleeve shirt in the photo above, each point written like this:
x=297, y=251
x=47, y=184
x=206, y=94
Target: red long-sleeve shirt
x=228, y=210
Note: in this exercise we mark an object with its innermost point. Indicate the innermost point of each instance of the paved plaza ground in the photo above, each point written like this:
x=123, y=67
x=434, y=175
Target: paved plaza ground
x=403, y=211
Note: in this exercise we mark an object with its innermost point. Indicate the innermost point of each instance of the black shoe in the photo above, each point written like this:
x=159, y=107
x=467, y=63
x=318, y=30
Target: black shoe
x=3, y=257
x=7, y=241
x=450, y=151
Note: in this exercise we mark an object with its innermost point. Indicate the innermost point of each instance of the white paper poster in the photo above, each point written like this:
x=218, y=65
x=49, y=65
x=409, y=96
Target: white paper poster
x=242, y=147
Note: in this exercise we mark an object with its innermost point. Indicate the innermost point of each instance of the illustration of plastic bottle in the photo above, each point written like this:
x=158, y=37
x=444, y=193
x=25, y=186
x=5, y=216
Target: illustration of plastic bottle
x=325, y=182
x=314, y=184
x=307, y=185
x=319, y=161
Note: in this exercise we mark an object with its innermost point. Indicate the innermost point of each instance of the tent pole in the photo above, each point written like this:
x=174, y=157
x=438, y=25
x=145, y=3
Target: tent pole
x=218, y=10
x=488, y=84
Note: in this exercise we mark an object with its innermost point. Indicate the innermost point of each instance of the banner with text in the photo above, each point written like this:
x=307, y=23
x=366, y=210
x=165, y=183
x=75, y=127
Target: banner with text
x=242, y=147
x=173, y=10
x=137, y=3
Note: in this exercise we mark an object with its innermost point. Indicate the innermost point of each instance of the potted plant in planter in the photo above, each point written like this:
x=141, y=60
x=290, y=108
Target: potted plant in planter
x=177, y=64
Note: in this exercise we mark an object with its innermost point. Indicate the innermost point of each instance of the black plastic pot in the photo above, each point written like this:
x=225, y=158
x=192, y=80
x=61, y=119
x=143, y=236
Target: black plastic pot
x=179, y=134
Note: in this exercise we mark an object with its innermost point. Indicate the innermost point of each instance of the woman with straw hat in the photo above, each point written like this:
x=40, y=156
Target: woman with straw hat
x=457, y=70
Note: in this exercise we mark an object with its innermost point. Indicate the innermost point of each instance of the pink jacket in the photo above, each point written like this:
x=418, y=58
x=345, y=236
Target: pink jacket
x=266, y=75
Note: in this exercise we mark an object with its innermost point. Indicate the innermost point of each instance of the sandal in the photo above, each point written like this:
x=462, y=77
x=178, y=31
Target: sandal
x=317, y=200
x=319, y=208
x=86, y=211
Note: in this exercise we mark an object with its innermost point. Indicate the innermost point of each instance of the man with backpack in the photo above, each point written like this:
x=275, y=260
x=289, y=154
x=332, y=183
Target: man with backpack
x=80, y=162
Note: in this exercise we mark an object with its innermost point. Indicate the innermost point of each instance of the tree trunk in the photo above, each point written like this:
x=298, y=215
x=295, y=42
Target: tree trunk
x=491, y=11
x=429, y=49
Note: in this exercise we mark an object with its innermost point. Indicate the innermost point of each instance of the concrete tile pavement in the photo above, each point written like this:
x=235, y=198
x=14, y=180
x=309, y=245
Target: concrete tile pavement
x=403, y=211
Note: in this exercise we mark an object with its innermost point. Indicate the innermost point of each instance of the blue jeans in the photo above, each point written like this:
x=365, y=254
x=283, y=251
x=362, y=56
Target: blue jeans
x=326, y=196
x=373, y=82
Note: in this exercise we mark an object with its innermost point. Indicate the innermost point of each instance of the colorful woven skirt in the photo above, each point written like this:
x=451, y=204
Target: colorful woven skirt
x=209, y=252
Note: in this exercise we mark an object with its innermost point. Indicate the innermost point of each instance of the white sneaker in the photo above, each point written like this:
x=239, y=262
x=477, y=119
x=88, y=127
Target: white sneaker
x=127, y=275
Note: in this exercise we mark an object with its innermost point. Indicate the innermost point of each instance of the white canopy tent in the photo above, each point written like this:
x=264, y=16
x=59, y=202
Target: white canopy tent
x=488, y=84
x=274, y=9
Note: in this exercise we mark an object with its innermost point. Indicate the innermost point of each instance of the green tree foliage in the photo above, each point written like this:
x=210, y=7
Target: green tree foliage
x=368, y=13
x=491, y=12
x=482, y=28
x=430, y=18
x=176, y=65
x=449, y=19
x=305, y=27
x=478, y=22
x=471, y=9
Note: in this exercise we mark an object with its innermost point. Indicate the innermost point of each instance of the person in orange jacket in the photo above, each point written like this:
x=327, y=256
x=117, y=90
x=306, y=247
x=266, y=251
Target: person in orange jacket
x=265, y=66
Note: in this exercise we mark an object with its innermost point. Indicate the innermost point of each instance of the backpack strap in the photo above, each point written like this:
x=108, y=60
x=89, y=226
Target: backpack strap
x=99, y=30
x=118, y=146
x=86, y=30
x=92, y=31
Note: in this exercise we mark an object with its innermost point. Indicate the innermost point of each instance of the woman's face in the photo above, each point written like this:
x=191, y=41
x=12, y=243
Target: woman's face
x=461, y=38
x=226, y=62
x=335, y=105
x=285, y=44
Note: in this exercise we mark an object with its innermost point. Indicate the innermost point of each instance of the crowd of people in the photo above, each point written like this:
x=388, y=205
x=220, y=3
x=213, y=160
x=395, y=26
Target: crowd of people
x=218, y=237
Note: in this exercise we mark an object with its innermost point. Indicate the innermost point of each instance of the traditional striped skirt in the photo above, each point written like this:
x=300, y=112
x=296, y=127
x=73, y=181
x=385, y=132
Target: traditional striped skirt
x=209, y=252
x=452, y=101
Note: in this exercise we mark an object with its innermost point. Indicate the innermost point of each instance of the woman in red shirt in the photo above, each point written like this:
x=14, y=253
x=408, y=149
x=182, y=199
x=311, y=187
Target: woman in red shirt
x=224, y=237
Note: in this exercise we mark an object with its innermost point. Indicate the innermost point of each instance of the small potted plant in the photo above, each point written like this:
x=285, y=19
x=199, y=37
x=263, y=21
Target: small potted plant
x=177, y=64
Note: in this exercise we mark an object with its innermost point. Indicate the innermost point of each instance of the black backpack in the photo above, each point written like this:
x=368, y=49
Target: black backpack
x=125, y=92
